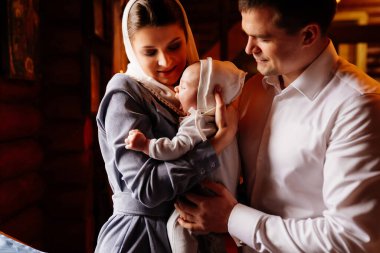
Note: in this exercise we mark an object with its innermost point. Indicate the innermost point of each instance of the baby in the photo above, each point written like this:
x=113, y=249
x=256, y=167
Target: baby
x=196, y=95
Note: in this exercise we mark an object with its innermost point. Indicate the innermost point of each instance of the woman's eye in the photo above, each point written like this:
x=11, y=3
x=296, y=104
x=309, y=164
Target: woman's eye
x=174, y=46
x=149, y=52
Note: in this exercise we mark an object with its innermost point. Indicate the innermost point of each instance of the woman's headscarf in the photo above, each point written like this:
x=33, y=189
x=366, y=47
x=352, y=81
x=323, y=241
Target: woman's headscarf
x=134, y=69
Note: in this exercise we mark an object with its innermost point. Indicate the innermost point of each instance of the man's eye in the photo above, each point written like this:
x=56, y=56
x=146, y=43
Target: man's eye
x=264, y=39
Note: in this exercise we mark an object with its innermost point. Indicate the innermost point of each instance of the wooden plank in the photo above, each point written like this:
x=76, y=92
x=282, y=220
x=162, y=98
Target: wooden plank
x=69, y=169
x=71, y=10
x=68, y=41
x=72, y=231
x=62, y=106
x=18, y=194
x=18, y=121
x=63, y=71
x=356, y=34
x=17, y=90
x=73, y=204
x=69, y=136
x=19, y=157
x=26, y=226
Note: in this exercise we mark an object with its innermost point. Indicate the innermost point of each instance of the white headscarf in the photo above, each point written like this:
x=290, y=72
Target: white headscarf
x=134, y=69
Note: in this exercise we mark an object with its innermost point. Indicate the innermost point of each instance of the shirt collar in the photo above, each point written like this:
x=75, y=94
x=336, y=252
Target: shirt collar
x=272, y=81
x=315, y=77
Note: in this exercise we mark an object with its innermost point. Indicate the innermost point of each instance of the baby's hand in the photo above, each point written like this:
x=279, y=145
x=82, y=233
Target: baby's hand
x=136, y=140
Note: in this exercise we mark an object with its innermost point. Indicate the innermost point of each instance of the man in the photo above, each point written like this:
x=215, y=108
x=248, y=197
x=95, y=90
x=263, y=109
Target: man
x=309, y=138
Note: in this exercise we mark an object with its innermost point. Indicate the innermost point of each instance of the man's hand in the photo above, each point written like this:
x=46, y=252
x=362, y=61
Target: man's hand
x=207, y=214
x=136, y=140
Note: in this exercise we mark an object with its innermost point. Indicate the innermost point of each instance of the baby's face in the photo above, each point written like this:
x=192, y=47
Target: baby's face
x=186, y=91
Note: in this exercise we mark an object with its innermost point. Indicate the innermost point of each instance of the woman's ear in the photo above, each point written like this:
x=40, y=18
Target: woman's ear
x=310, y=33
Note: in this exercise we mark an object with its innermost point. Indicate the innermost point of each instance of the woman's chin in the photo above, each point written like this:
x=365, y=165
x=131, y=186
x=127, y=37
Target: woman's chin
x=169, y=82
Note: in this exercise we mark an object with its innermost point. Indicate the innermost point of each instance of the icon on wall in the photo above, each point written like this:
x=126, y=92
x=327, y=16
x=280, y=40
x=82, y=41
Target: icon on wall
x=22, y=35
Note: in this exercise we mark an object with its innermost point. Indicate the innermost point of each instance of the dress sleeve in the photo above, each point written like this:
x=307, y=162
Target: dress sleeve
x=351, y=192
x=150, y=181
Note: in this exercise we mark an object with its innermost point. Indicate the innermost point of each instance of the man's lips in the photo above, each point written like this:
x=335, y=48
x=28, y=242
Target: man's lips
x=260, y=60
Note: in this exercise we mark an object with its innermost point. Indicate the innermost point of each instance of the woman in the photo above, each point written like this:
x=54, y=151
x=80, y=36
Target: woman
x=159, y=45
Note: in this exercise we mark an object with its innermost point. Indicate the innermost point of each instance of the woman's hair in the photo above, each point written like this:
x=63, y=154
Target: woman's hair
x=154, y=13
x=293, y=15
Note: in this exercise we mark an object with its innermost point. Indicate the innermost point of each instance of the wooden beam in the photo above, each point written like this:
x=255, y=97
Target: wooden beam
x=355, y=34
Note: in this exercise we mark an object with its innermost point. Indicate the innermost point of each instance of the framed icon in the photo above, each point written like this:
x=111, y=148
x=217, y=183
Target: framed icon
x=22, y=29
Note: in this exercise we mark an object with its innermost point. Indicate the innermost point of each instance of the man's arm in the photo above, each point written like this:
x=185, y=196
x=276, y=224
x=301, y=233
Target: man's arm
x=351, y=192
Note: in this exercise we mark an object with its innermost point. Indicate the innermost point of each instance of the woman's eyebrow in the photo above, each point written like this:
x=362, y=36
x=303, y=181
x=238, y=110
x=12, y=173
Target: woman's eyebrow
x=175, y=40
x=172, y=41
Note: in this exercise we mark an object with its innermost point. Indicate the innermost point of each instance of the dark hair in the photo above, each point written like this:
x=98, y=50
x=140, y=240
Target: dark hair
x=293, y=15
x=154, y=13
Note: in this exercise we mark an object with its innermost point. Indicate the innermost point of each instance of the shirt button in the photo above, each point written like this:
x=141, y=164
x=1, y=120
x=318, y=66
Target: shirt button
x=213, y=165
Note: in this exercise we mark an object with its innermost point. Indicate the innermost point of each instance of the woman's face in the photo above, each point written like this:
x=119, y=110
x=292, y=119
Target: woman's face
x=161, y=52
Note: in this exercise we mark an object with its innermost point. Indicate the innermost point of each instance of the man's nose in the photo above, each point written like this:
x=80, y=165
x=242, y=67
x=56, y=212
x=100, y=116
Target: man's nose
x=251, y=46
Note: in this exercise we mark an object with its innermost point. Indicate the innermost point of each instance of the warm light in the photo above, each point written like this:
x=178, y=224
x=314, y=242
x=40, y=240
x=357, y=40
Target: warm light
x=338, y=1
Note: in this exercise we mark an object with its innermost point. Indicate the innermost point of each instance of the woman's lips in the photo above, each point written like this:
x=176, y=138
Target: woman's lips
x=167, y=72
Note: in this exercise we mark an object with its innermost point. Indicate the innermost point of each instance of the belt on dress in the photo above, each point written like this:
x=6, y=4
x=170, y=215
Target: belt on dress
x=124, y=203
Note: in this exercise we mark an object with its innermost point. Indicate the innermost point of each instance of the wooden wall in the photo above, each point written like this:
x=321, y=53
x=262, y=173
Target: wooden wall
x=369, y=33
x=21, y=156
x=47, y=137
x=372, y=7
x=67, y=133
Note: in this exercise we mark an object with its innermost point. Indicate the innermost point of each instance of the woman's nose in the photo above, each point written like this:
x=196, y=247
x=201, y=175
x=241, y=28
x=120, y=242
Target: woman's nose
x=163, y=60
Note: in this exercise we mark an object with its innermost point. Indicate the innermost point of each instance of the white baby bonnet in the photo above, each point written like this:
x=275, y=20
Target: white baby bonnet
x=226, y=75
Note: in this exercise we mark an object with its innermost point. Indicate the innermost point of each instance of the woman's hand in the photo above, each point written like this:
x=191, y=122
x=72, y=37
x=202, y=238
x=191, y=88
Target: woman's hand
x=201, y=215
x=226, y=119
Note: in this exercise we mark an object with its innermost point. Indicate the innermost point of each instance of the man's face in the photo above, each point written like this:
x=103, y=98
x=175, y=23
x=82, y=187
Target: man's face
x=275, y=51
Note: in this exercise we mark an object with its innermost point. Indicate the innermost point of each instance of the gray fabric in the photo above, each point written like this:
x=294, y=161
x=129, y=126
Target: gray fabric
x=139, y=183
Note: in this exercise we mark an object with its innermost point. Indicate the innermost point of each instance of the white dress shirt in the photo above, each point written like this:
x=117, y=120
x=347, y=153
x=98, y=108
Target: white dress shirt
x=311, y=160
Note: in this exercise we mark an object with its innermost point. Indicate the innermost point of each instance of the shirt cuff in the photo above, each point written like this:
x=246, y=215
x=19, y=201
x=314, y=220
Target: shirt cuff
x=242, y=224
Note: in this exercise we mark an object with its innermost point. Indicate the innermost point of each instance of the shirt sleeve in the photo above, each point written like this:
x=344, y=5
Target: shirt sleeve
x=351, y=192
x=152, y=182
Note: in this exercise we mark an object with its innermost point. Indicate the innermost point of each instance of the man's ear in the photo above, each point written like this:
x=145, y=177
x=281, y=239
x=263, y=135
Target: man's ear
x=310, y=33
